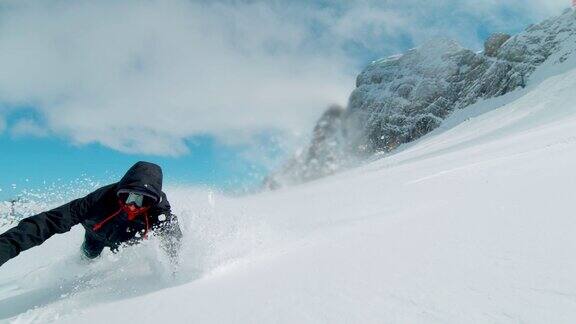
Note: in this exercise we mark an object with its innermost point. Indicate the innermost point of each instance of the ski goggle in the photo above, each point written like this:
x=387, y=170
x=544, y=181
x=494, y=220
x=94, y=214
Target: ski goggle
x=137, y=199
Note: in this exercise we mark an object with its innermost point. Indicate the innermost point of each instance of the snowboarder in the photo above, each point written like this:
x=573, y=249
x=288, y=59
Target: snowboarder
x=119, y=213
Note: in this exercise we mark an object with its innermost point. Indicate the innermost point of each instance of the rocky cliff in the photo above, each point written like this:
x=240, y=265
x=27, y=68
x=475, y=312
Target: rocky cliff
x=401, y=98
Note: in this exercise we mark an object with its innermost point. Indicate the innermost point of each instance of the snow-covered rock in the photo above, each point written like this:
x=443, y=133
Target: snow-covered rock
x=401, y=98
x=321, y=158
x=494, y=43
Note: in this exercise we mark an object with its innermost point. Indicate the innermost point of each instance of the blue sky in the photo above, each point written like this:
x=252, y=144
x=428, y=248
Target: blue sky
x=40, y=163
x=217, y=92
x=43, y=164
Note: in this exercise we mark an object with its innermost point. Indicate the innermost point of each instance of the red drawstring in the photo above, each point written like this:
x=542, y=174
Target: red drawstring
x=100, y=224
x=132, y=213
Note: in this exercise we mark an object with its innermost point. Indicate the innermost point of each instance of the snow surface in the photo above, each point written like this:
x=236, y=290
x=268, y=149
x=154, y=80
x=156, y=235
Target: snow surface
x=473, y=223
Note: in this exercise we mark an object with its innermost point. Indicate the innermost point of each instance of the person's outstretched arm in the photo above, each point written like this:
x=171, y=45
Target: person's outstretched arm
x=34, y=230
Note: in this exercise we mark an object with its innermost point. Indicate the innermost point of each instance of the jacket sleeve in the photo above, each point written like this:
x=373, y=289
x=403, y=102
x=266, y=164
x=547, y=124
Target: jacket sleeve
x=168, y=230
x=34, y=230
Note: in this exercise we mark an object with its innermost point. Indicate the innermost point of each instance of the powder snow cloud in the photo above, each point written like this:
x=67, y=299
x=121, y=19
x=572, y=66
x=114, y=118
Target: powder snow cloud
x=143, y=76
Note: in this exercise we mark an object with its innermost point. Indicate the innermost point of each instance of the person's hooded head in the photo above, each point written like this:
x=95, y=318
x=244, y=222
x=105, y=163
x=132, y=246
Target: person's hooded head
x=141, y=185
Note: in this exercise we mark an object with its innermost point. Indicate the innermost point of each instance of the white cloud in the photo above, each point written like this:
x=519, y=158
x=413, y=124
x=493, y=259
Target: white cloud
x=142, y=76
x=28, y=127
x=385, y=25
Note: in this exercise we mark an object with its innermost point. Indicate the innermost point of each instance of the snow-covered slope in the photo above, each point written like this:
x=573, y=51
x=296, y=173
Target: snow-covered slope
x=472, y=223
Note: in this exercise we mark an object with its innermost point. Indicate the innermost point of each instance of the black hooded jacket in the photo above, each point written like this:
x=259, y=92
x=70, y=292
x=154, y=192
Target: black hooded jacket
x=94, y=208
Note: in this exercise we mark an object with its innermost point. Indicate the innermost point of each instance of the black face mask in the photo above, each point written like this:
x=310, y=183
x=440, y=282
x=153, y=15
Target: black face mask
x=129, y=205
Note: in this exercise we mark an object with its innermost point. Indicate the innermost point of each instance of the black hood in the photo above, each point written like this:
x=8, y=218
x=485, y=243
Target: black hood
x=145, y=177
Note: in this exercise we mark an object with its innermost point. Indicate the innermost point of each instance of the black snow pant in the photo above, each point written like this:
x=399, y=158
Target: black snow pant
x=92, y=247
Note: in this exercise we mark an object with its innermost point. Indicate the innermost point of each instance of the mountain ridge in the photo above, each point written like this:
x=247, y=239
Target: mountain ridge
x=401, y=98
